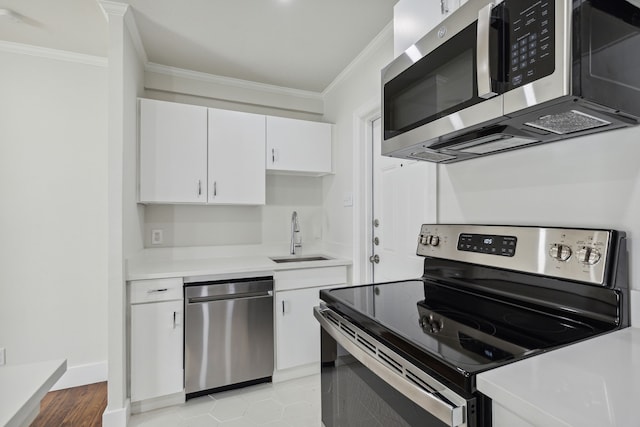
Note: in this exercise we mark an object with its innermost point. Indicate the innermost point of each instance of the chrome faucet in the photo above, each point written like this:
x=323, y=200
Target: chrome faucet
x=296, y=238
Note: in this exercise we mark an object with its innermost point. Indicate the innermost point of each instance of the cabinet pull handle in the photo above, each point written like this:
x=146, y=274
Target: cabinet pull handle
x=153, y=291
x=286, y=308
x=215, y=188
x=199, y=187
x=177, y=319
x=273, y=155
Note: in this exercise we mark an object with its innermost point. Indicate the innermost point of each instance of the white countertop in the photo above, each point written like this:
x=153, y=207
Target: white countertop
x=22, y=387
x=594, y=383
x=141, y=269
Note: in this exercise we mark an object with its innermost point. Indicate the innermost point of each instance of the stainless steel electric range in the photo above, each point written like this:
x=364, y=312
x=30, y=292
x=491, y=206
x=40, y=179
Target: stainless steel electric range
x=407, y=353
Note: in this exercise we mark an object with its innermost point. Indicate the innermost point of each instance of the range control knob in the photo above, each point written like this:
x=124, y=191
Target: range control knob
x=435, y=240
x=588, y=255
x=560, y=252
x=423, y=239
x=431, y=324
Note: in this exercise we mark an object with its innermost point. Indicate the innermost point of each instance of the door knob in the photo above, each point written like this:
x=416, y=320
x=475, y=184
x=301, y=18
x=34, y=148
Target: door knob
x=374, y=258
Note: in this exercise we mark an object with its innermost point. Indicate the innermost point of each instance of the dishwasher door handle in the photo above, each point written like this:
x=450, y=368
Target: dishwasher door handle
x=227, y=297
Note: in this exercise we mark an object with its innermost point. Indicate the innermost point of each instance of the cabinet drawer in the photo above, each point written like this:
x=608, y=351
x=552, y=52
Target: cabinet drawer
x=141, y=291
x=308, y=277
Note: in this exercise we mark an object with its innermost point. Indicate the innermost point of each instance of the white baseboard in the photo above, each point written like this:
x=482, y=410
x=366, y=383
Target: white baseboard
x=157, y=403
x=297, y=372
x=82, y=375
x=118, y=417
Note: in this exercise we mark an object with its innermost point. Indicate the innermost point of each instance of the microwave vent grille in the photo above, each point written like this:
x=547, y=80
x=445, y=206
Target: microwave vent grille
x=568, y=122
x=431, y=156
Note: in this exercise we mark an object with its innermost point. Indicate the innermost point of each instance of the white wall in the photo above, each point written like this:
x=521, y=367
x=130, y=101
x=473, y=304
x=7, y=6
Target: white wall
x=125, y=81
x=591, y=181
x=358, y=86
x=53, y=216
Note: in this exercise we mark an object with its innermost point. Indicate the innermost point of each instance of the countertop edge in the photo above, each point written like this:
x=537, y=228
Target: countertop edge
x=571, y=385
x=32, y=403
x=256, y=264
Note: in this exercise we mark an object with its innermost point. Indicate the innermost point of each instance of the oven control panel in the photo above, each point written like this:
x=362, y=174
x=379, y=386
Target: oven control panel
x=488, y=244
x=568, y=253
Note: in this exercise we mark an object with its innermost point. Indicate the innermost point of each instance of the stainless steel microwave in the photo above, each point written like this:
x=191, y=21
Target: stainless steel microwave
x=510, y=74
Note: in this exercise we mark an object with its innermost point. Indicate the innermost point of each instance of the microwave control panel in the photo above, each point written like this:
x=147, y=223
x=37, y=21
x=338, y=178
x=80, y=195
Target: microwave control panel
x=530, y=31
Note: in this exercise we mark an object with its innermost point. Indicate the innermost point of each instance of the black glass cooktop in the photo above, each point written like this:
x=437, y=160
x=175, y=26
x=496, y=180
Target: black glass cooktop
x=463, y=330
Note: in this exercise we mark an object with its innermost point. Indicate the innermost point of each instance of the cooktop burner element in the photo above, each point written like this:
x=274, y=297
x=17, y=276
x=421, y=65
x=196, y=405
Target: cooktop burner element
x=492, y=295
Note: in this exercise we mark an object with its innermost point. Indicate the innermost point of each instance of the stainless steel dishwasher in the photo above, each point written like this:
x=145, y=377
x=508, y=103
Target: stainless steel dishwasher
x=228, y=333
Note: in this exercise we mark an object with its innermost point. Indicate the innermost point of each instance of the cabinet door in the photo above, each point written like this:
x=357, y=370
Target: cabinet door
x=298, y=146
x=173, y=152
x=156, y=349
x=297, y=331
x=236, y=158
x=412, y=19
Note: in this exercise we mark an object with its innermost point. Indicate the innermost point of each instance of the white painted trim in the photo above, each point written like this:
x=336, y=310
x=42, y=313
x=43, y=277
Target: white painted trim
x=82, y=375
x=228, y=81
x=45, y=52
x=116, y=417
x=158, y=402
x=373, y=46
x=124, y=10
x=132, y=27
x=362, y=189
x=113, y=8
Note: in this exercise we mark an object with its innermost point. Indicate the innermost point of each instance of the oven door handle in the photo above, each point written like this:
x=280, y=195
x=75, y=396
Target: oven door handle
x=446, y=411
x=483, y=47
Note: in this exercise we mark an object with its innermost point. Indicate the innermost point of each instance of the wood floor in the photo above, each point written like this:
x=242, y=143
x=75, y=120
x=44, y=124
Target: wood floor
x=73, y=407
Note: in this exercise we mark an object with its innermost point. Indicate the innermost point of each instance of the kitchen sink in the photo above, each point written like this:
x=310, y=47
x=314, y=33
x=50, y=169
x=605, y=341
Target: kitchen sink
x=300, y=259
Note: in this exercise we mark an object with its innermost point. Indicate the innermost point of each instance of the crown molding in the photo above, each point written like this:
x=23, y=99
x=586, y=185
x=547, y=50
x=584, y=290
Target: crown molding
x=113, y=8
x=373, y=46
x=125, y=11
x=229, y=81
x=45, y=52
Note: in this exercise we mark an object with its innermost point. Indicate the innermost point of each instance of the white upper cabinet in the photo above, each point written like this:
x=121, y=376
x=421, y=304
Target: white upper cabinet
x=298, y=146
x=236, y=158
x=192, y=154
x=173, y=152
x=412, y=19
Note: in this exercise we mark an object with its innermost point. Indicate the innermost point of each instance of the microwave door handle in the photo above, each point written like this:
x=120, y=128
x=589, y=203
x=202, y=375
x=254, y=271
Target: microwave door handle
x=483, y=66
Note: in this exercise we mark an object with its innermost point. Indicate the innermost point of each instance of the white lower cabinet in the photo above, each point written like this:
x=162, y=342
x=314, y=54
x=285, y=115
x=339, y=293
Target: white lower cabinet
x=156, y=338
x=297, y=330
x=503, y=417
x=298, y=336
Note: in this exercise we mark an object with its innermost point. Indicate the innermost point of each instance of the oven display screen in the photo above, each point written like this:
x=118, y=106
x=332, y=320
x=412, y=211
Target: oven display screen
x=488, y=244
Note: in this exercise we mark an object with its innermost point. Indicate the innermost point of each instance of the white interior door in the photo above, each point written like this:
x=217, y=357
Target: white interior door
x=404, y=198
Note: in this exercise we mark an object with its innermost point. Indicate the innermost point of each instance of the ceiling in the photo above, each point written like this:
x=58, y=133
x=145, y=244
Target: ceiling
x=299, y=44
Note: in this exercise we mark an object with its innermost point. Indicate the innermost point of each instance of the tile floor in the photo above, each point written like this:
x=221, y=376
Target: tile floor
x=294, y=403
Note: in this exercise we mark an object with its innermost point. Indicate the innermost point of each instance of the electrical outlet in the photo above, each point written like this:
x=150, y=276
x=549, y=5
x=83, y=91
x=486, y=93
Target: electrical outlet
x=156, y=237
x=3, y=356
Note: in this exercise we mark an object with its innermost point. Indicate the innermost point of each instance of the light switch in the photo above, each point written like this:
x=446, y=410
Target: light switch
x=347, y=199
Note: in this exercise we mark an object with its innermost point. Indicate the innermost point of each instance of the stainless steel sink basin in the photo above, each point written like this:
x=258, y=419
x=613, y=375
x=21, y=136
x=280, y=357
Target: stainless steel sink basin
x=300, y=259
